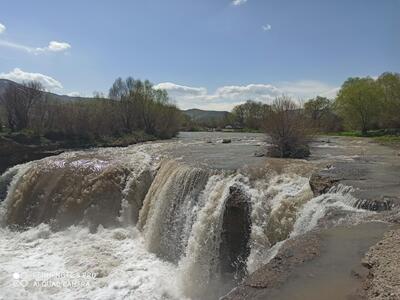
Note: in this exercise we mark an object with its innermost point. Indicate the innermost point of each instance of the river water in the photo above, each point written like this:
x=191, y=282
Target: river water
x=149, y=221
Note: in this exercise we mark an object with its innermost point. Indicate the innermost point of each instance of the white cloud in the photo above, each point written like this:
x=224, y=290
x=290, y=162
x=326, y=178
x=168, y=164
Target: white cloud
x=58, y=46
x=226, y=97
x=267, y=27
x=238, y=2
x=305, y=89
x=53, y=46
x=20, y=76
x=74, y=94
x=2, y=28
x=181, y=89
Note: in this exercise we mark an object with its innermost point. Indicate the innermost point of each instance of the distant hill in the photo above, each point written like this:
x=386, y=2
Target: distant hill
x=205, y=115
x=4, y=83
x=195, y=114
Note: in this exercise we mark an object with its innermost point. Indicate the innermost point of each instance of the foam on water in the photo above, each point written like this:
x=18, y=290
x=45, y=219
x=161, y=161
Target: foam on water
x=124, y=269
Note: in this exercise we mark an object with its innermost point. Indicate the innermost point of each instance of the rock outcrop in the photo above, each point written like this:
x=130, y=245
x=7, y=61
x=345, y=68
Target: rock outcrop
x=236, y=231
x=272, y=275
x=321, y=184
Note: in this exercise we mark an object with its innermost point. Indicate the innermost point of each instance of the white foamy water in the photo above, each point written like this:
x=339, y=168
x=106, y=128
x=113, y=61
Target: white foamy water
x=124, y=269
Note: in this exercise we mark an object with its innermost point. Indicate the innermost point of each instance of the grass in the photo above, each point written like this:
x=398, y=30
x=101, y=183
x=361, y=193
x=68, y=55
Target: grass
x=388, y=140
x=345, y=133
x=370, y=133
x=387, y=137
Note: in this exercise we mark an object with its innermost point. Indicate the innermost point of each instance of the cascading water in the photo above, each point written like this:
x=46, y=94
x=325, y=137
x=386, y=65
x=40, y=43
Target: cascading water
x=169, y=208
x=157, y=229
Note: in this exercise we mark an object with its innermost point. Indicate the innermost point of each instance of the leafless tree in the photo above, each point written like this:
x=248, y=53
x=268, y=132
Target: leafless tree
x=19, y=101
x=287, y=128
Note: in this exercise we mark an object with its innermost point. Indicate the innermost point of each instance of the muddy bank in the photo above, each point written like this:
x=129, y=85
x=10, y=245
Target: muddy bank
x=321, y=263
x=382, y=281
x=13, y=153
x=275, y=273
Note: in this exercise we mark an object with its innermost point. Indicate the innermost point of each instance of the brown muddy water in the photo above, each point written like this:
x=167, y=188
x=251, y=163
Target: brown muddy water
x=331, y=276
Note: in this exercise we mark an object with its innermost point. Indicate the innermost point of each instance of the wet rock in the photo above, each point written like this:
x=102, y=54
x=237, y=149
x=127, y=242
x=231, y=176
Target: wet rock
x=226, y=141
x=236, y=227
x=366, y=264
x=321, y=184
x=374, y=205
x=301, y=151
x=272, y=275
x=259, y=153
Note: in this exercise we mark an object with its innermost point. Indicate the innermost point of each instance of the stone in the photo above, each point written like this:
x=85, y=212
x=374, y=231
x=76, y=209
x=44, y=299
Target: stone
x=259, y=153
x=236, y=229
x=321, y=184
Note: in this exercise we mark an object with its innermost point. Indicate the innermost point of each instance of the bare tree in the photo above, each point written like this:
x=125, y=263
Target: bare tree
x=18, y=101
x=287, y=128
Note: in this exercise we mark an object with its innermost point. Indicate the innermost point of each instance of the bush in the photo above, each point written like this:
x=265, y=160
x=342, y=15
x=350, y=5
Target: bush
x=288, y=129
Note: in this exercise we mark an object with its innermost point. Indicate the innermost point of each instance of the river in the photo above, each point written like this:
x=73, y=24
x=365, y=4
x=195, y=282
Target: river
x=180, y=219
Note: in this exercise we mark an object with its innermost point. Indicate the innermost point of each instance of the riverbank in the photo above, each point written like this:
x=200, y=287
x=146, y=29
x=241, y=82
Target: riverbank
x=382, y=280
x=385, y=137
x=21, y=147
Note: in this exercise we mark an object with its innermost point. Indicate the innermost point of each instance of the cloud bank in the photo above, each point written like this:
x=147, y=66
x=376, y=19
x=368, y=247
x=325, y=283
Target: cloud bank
x=226, y=97
x=2, y=28
x=222, y=98
x=17, y=75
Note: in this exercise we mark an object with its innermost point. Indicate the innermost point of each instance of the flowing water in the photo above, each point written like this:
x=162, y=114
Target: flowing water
x=152, y=221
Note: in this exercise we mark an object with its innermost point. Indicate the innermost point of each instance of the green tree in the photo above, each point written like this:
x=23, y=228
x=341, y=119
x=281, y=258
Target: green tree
x=359, y=103
x=390, y=84
x=319, y=112
x=250, y=114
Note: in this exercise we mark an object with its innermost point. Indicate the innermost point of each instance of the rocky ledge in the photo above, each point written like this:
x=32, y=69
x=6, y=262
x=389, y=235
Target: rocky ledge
x=322, y=181
x=262, y=283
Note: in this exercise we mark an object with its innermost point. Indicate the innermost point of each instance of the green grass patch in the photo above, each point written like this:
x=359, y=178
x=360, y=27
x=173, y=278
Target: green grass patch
x=388, y=140
x=371, y=133
x=346, y=133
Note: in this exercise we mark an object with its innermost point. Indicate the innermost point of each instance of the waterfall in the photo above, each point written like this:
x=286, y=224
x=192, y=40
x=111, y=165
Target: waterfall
x=69, y=189
x=200, y=264
x=274, y=214
x=170, y=207
x=178, y=213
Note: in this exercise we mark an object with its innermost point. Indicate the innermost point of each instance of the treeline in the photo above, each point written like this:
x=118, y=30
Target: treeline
x=132, y=106
x=361, y=104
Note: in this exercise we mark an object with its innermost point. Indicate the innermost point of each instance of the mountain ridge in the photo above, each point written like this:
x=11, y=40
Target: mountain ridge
x=194, y=113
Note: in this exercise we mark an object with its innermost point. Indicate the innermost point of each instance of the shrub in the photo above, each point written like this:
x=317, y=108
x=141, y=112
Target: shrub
x=288, y=129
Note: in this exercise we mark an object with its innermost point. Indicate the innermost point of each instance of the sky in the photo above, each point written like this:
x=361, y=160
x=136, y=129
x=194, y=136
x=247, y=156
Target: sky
x=208, y=54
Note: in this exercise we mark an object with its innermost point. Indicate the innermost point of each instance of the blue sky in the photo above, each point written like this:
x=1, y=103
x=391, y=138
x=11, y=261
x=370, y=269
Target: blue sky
x=209, y=54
